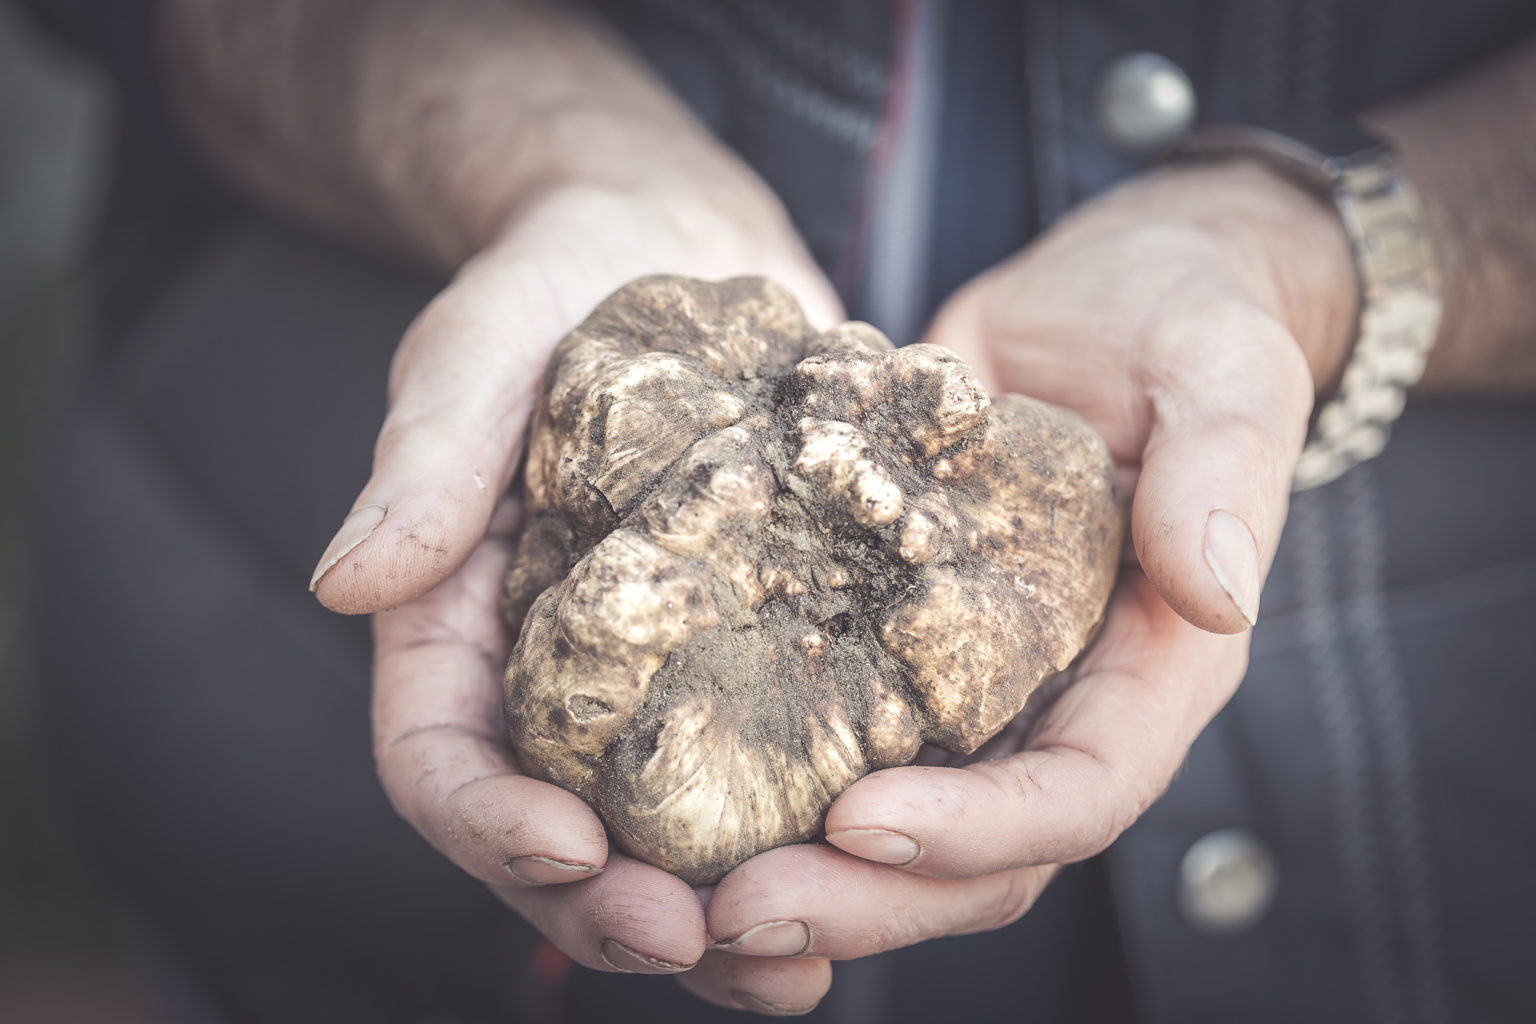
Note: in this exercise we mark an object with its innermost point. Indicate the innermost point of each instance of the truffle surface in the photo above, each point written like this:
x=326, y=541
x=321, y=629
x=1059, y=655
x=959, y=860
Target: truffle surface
x=762, y=561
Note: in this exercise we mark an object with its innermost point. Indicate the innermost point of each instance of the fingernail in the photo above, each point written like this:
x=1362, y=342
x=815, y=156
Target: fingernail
x=1234, y=561
x=621, y=958
x=356, y=528
x=748, y=1001
x=880, y=845
x=774, y=938
x=548, y=871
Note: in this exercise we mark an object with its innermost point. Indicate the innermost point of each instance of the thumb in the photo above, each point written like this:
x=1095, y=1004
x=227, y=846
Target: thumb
x=1229, y=394
x=462, y=387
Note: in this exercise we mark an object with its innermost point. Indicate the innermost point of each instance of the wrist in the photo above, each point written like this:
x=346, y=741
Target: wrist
x=583, y=237
x=505, y=105
x=706, y=218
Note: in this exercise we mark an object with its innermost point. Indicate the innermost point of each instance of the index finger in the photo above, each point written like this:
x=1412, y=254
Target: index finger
x=438, y=738
x=1097, y=759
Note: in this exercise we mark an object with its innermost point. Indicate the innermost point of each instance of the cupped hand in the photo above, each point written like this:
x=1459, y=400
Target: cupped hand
x=1190, y=317
x=428, y=540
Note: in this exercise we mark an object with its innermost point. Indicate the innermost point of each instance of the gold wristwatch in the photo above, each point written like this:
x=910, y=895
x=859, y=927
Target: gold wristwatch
x=1400, y=296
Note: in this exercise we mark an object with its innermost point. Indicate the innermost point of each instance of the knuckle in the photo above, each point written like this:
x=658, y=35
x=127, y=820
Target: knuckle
x=1020, y=784
x=1101, y=834
x=1123, y=792
x=1259, y=441
x=901, y=927
x=1217, y=343
x=1126, y=802
x=395, y=434
x=1018, y=895
x=434, y=320
x=402, y=772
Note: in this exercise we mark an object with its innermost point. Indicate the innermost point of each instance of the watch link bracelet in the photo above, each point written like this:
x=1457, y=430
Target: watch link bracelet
x=1400, y=295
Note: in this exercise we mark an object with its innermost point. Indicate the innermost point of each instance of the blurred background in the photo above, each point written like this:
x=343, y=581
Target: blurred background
x=65, y=953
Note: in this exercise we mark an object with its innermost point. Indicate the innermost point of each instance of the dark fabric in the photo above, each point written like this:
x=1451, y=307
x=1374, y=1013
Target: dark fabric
x=983, y=150
x=1372, y=747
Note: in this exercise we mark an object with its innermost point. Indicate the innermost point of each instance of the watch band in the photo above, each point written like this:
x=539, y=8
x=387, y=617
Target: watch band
x=1400, y=296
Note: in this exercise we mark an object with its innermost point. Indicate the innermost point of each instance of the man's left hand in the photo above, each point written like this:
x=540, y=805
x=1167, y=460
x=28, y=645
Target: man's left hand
x=1190, y=316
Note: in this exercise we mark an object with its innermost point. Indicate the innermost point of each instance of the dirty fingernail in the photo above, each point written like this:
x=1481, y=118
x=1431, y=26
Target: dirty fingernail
x=548, y=871
x=748, y=1001
x=355, y=529
x=774, y=938
x=1234, y=561
x=621, y=958
x=876, y=844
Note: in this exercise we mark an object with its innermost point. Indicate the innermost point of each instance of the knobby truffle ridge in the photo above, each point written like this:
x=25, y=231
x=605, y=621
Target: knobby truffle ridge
x=762, y=561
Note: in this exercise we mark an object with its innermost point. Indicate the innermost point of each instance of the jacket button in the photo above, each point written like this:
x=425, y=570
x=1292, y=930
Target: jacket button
x=1145, y=103
x=1226, y=881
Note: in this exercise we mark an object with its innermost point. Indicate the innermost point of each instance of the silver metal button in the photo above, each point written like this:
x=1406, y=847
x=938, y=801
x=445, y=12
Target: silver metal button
x=1146, y=102
x=1226, y=881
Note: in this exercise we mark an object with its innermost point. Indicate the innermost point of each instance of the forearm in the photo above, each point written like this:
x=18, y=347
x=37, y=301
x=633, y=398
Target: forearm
x=425, y=126
x=1470, y=148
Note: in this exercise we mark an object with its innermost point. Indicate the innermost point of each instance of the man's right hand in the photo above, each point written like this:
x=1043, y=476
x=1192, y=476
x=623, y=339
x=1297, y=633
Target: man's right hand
x=429, y=537
x=522, y=145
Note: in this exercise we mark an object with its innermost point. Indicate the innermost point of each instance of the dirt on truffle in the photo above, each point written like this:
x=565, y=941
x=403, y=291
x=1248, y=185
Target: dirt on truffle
x=762, y=561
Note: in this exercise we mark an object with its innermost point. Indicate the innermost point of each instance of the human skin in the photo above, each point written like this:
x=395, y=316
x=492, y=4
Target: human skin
x=1191, y=315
